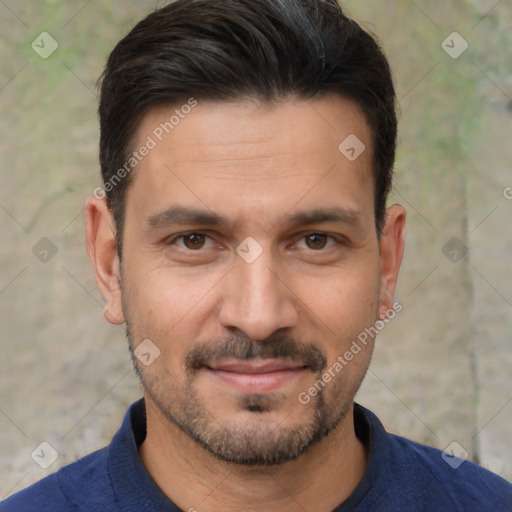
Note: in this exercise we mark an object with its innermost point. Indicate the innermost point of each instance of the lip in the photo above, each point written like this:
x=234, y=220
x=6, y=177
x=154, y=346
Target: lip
x=256, y=377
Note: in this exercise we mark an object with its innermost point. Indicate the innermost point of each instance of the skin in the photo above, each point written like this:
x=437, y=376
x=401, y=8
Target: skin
x=254, y=165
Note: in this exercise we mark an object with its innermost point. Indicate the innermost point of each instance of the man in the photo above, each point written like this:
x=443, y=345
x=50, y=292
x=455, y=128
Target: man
x=247, y=149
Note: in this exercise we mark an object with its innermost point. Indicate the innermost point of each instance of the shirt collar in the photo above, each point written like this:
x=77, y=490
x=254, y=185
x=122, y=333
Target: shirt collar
x=136, y=490
x=133, y=486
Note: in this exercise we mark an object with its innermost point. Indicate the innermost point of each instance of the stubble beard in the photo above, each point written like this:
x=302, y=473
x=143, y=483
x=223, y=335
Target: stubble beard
x=254, y=442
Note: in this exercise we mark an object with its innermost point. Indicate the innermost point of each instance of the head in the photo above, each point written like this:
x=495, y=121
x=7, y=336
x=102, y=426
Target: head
x=247, y=149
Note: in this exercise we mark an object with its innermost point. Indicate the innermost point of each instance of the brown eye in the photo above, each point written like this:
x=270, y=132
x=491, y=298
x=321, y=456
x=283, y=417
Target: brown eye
x=194, y=241
x=316, y=241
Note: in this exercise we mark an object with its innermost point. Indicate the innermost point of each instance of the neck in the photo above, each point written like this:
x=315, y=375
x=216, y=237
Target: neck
x=193, y=479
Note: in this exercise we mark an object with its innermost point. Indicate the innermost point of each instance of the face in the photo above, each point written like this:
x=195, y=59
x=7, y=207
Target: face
x=251, y=263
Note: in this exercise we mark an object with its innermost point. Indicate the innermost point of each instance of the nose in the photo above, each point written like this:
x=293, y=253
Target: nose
x=257, y=301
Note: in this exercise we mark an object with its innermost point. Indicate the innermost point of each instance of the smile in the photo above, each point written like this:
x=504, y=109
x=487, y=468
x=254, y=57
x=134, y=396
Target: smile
x=257, y=377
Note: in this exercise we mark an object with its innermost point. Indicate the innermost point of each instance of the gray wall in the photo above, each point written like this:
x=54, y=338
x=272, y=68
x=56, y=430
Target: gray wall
x=442, y=371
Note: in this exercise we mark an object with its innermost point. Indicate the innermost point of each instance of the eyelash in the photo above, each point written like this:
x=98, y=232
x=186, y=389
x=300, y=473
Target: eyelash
x=330, y=238
x=184, y=235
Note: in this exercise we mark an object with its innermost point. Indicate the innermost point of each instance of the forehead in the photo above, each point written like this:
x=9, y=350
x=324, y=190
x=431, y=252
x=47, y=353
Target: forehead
x=251, y=153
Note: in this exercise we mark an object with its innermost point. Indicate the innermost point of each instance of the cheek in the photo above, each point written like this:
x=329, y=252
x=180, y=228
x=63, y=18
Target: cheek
x=343, y=303
x=164, y=293
x=168, y=307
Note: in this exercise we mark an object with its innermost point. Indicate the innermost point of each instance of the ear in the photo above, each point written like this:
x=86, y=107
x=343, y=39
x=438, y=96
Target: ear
x=392, y=245
x=102, y=250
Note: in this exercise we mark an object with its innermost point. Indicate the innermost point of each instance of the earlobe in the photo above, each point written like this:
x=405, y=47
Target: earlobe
x=102, y=250
x=392, y=244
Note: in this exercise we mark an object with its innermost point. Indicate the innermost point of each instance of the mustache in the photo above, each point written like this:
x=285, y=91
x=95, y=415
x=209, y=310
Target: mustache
x=276, y=346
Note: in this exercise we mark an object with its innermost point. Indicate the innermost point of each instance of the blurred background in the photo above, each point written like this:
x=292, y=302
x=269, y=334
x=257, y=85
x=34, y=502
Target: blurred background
x=442, y=369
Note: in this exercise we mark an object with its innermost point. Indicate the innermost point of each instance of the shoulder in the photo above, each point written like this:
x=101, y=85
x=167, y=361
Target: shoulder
x=464, y=483
x=87, y=484
x=43, y=496
x=406, y=475
x=67, y=489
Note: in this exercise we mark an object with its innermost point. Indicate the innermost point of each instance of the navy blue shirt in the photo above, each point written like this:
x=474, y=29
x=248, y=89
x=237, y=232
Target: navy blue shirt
x=401, y=476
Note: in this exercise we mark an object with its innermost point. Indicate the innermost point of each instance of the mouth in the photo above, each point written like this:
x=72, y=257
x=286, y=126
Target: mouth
x=257, y=376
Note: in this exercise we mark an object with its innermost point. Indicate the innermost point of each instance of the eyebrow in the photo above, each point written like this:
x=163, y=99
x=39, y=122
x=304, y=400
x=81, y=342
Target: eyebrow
x=321, y=216
x=182, y=215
